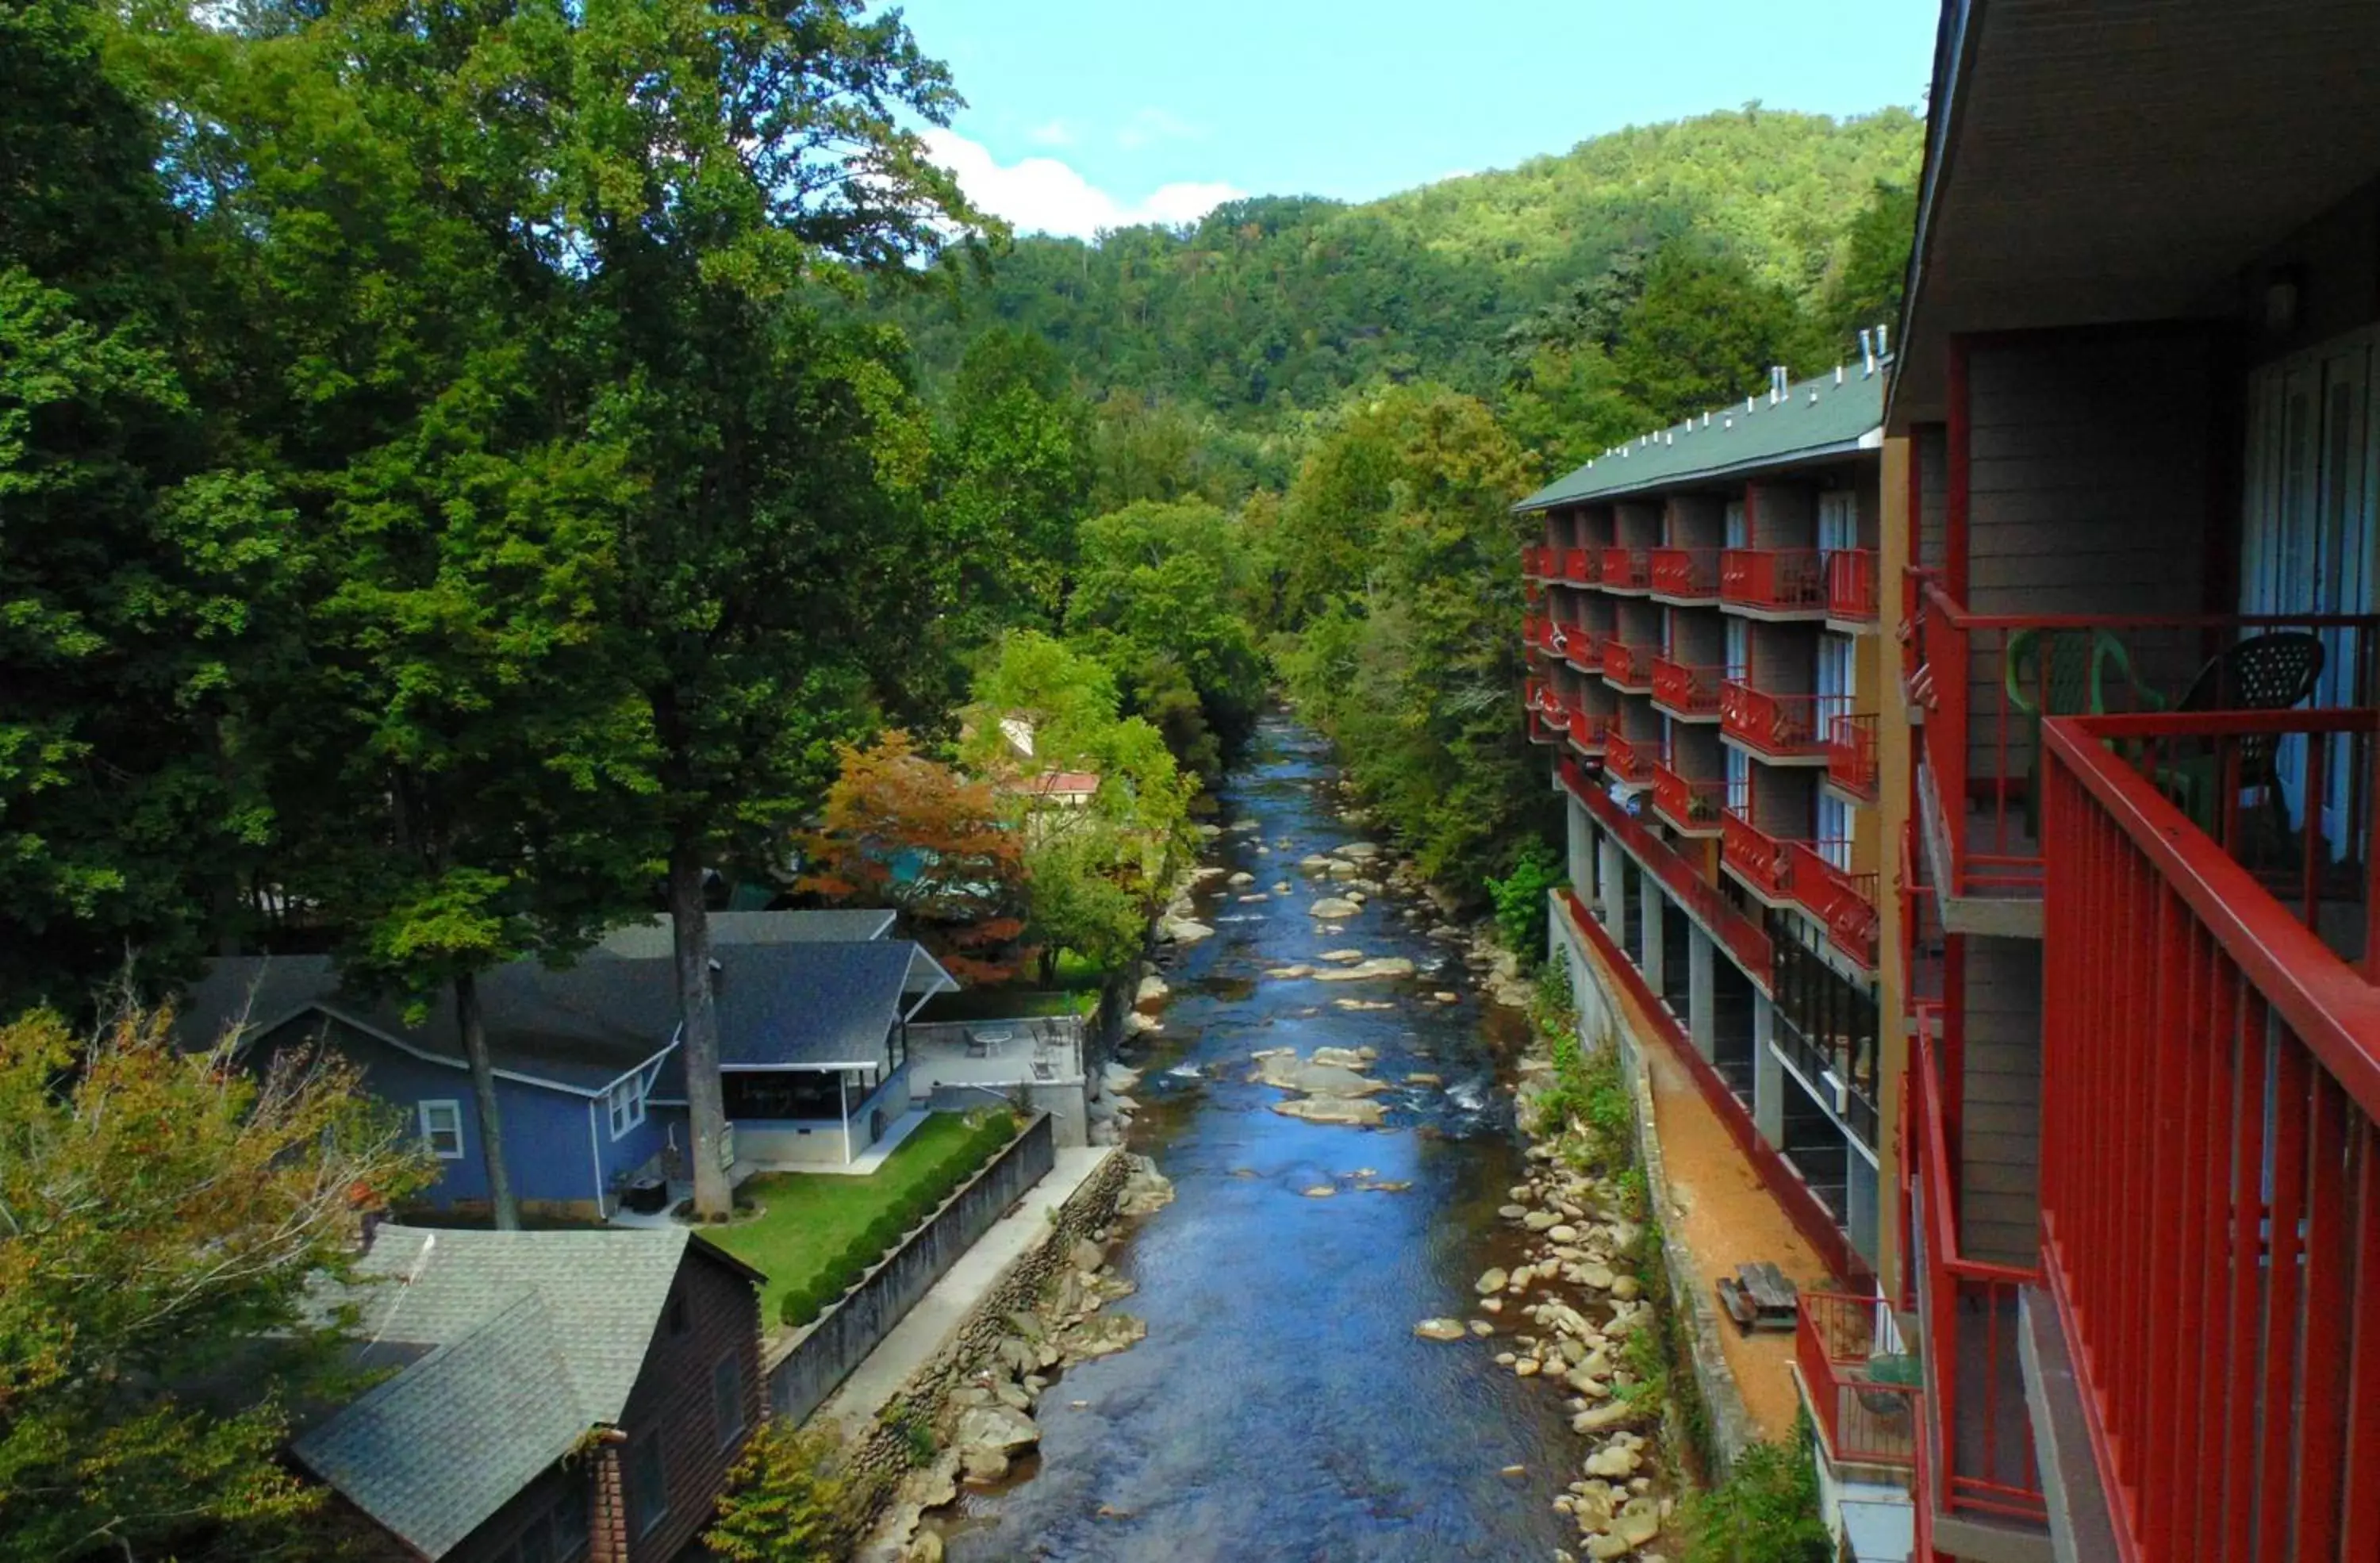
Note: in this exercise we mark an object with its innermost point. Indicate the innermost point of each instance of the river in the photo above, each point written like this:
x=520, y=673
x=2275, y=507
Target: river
x=1281, y=1406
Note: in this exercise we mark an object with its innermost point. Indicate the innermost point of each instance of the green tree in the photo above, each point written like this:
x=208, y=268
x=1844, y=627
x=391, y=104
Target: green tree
x=790, y=1499
x=1012, y=471
x=1706, y=330
x=1865, y=288
x=165, y=1210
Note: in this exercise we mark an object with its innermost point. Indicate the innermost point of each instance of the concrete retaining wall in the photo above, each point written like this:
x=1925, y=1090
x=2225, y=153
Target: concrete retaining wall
x=803, y=1369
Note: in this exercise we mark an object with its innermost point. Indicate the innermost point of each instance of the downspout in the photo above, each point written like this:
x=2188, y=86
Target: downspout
x=595, y=1160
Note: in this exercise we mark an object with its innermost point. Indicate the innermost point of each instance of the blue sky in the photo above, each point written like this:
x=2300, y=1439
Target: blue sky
x=1088, y=112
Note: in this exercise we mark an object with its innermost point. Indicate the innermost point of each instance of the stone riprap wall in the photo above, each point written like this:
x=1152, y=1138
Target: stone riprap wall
x=878, y=1460
x=804, y=1367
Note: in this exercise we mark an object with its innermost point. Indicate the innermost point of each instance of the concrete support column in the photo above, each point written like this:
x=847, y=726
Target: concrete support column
x=1612, y=882
x=1651, y=964
x=1768, y=1075
x=1579, y=860
x=1702, y=1004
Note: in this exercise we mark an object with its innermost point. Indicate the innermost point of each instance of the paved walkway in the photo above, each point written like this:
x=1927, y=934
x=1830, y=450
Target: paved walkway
x=919, y=1338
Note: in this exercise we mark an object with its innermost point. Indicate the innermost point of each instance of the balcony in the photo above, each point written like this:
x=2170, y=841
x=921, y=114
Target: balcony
x=1689, y=806
x=1576, y=645
x=1626, y=569
x=2210, y=1169
x=1744, y=937
x=1985, y=684
x=1764, y=864
x=1840, y=1344
x=1548, y=713
x=1588, y=730
x=1842, y=901
x=1851, y=599
x=1978, y=1442
x=1581, y=566
x=1781, y=729
x=1627, y=667
x=1628, y=761
x=1773, y=583
x=1850, y=755
x=1541, y=563
x=1685, y=691
x=1685, y=575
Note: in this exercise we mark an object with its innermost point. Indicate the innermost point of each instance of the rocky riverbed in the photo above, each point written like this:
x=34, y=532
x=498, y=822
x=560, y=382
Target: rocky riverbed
x=1326, y=1069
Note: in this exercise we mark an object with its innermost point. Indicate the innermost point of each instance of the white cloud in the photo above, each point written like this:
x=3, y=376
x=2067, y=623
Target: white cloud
x=1056, y=133
x=1043, y=195
x=1153, y=124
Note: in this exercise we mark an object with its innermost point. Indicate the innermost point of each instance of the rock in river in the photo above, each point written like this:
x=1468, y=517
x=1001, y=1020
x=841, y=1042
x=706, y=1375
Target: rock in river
x=1379, y=966
x=1352, y=1111
x=1331, y=906
x=1440, y=1330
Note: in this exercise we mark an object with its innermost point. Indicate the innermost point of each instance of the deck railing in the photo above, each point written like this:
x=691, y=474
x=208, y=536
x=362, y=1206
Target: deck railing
x=1588, y=731
x=1581, y=566
x=1757, y=857
x=1774, y=579
x=1980, y=1425
x=1628, y=667
x=1843, y=901
x=1577, y=645
x=1864, y=1422
x=1629, y=760
x=1626, y=568
x=2210, y=1177
x=1988, y=681
x=1852, y=585
x=1685, y=689
x=1690, y=573
x=1779, y=726
x=1850, y=754
x=1744, y=937
x=1689, y=804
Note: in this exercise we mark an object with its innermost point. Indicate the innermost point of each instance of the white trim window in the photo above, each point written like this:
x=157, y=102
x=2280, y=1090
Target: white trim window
x=626, y=1104
x=442, y=1129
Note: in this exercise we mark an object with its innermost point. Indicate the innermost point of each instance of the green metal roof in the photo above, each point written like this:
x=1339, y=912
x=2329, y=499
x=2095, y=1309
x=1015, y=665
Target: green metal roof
x=1821, y=416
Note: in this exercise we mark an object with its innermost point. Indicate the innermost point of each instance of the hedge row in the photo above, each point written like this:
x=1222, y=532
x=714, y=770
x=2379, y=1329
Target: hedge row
x=805, y=1303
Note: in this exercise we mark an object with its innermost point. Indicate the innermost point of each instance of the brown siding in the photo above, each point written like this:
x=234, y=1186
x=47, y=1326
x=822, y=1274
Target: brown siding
x=672, y=1399
x=1930, y=449
x=1999, y=1149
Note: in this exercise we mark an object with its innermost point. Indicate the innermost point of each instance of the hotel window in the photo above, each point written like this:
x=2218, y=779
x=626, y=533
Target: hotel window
x=1837, y=521
x=442, y=1130
x=628, y=1104
x=647, y=1486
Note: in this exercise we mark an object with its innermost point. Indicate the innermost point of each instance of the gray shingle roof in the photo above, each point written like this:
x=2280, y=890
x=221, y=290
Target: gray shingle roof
x=812, y=1004
x=531, y=1339
x=825, y=926
x=1817, y=417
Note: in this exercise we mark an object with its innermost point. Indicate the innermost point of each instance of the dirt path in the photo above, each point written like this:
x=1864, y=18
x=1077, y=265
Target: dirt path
x=1726, y=1219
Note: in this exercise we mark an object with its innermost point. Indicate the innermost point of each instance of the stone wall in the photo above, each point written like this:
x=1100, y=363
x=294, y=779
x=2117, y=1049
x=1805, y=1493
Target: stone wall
x=804, y=1368
x=878, y=1460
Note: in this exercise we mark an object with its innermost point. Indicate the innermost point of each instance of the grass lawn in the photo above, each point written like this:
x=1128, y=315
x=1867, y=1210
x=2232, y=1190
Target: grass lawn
x=807, y=1219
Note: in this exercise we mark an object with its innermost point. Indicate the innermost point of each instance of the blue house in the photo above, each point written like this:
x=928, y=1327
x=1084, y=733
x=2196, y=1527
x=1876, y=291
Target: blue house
x=591, y=1082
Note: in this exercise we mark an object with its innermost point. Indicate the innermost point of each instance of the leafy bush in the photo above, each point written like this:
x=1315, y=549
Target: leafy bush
x=1520, y=899
x=789, y=1498
x=802, y=1305
x=1766, y=1510
x=885, y=1233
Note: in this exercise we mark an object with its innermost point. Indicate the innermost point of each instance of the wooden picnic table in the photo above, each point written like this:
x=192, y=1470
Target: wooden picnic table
x=1760, y=1297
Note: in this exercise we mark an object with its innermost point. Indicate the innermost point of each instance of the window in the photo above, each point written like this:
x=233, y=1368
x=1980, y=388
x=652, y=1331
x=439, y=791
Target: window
x=647, y=1486
x=727, y=1398
x=536, y=1543
x=1738, y=534
x=1838, y=520
x=442, y=1130
x=569, y=1517
x=1835, y=831
x=628, y=1104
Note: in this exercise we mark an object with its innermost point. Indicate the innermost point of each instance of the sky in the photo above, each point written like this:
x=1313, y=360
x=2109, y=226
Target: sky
x=1091, y=114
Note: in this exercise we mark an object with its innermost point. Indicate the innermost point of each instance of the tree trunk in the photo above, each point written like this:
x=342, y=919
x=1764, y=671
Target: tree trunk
x=474, y=1026
x=698, y=1038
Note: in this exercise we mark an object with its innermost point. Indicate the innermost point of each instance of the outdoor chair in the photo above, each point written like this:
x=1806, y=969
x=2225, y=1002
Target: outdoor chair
x=2053, y=672
x=2264, y=673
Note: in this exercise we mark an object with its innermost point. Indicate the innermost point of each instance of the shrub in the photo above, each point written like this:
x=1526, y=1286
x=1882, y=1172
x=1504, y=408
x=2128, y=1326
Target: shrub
x=1519, y=899
x=789, y=1498
x=885, y=1232
x=1766, y=1510
x=802, y=1305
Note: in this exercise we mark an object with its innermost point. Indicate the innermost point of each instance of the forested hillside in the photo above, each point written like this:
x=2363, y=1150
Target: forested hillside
x=1280, y=302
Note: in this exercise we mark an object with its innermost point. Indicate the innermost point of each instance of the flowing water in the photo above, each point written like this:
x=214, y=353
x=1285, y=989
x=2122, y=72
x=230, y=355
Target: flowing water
x=1281, y=1406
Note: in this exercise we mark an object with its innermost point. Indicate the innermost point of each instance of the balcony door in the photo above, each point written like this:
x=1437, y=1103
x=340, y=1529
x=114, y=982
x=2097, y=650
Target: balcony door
x=2308, y=536
x=1837, y=521
x=1738, y=534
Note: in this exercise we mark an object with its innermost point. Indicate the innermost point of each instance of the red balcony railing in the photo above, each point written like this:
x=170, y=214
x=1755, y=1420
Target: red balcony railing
x=1777, y=580
x=1581, y=566
x=1689, y=805
x=1626, y=569
x=1548, y=713
x=1629, y=667
x=1837, y=1345
x=1690, y=573
x=1587, y=730
x=1852, y=585
x=1843, y=901
x=1760, y=859
x=1744, y=937
x=1683, y=689
x=1851, y=754
x=1541, y=563
x=2210, y=1170
x=1988, y=681
x=1628, y=759
x=1779, y=726
x=1980, y=1432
